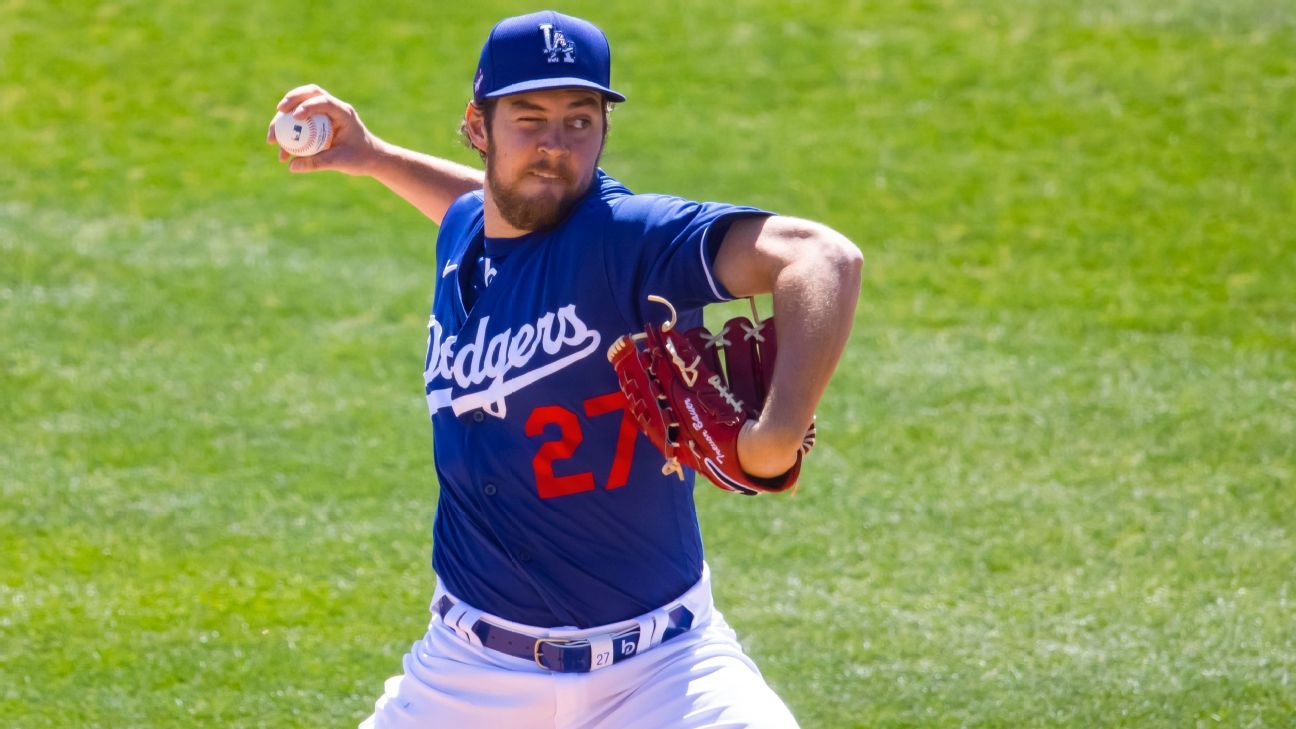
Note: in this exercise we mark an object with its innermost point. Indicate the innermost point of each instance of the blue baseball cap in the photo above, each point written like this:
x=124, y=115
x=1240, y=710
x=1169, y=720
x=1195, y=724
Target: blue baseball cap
x=544, y=50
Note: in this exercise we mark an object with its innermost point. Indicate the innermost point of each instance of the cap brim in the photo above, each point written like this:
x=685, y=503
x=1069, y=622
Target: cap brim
x=565, y=82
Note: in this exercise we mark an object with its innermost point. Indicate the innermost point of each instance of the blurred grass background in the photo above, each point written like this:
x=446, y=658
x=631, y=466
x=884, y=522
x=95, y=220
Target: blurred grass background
x=1054, y=485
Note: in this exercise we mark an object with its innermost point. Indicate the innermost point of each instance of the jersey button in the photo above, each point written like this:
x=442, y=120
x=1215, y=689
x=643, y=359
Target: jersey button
x=478, y=416
x=489, y=489
x=523, y=555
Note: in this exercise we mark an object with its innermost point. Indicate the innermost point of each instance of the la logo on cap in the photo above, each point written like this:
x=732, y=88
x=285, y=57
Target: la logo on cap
x=556, y=44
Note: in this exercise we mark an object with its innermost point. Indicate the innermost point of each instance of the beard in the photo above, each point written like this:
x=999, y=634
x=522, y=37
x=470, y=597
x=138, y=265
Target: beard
x=536, y=212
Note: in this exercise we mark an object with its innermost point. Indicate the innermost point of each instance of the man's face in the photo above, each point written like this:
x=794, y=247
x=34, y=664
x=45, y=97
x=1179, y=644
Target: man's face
x=542, y=150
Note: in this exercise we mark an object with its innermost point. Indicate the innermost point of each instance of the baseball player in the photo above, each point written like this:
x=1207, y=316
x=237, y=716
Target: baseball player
x=571, y=588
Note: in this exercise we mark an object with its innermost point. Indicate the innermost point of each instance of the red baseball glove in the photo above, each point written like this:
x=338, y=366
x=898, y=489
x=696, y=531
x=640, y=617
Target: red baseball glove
x=691, y=392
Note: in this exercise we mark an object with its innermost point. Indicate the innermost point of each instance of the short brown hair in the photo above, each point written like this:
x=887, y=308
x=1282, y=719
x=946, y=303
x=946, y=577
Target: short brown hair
x=487, y=109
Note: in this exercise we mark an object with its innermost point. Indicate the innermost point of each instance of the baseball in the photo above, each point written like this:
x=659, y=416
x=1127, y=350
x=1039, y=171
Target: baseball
x=303, y=137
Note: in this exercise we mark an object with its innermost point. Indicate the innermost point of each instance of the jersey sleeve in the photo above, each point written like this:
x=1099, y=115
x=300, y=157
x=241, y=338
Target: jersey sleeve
x=667, y=246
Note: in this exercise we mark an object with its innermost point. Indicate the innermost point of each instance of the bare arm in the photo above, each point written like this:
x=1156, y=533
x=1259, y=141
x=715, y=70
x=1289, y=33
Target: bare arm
x=426, y=182
x=813, y=273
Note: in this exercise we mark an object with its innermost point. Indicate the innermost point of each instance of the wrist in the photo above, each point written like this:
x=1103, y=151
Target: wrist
x=779, y=434
x=379, y=159
x=767, y=451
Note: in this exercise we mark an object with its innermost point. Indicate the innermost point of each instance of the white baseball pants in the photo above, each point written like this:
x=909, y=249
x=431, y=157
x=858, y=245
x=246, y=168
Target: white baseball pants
x=698, y=680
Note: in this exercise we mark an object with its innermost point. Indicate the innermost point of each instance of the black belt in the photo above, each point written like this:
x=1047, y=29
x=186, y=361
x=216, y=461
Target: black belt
x=567, y=656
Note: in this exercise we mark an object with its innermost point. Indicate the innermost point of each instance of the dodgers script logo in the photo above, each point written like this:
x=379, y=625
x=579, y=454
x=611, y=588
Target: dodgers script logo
x=556, y=44
x=501, y=360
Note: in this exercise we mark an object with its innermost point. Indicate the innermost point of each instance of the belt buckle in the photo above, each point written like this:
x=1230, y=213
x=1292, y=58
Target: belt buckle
x=539, y=645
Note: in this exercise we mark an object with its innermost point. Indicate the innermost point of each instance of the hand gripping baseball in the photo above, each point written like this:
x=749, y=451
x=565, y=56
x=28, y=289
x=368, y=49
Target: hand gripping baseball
x=353, y=149
x=692, y=392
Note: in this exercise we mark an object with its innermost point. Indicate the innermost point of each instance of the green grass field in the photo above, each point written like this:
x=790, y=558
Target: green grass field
x=1056, y=484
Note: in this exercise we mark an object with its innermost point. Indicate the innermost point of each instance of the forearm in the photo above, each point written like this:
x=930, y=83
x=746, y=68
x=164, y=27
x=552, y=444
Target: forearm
x=813, y=273
x=426, y=182
x=814, y=308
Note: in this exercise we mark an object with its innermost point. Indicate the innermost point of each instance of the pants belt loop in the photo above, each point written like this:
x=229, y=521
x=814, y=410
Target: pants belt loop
x=652, y=628
x=462, y=618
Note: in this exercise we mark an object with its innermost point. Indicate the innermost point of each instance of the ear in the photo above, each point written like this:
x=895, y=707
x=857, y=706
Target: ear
x=476, y=122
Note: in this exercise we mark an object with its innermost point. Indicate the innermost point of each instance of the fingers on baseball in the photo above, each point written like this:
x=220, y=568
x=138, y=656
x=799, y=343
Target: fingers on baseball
x=321, y=161
x=295, y=97
x=339, y=112
x=316, y=105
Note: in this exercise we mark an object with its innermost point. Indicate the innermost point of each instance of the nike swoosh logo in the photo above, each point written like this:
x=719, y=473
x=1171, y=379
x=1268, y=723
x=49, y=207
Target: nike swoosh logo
x=449, y=269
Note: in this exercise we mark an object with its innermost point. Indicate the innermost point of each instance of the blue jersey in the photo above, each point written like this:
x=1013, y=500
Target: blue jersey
x=553, y=508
